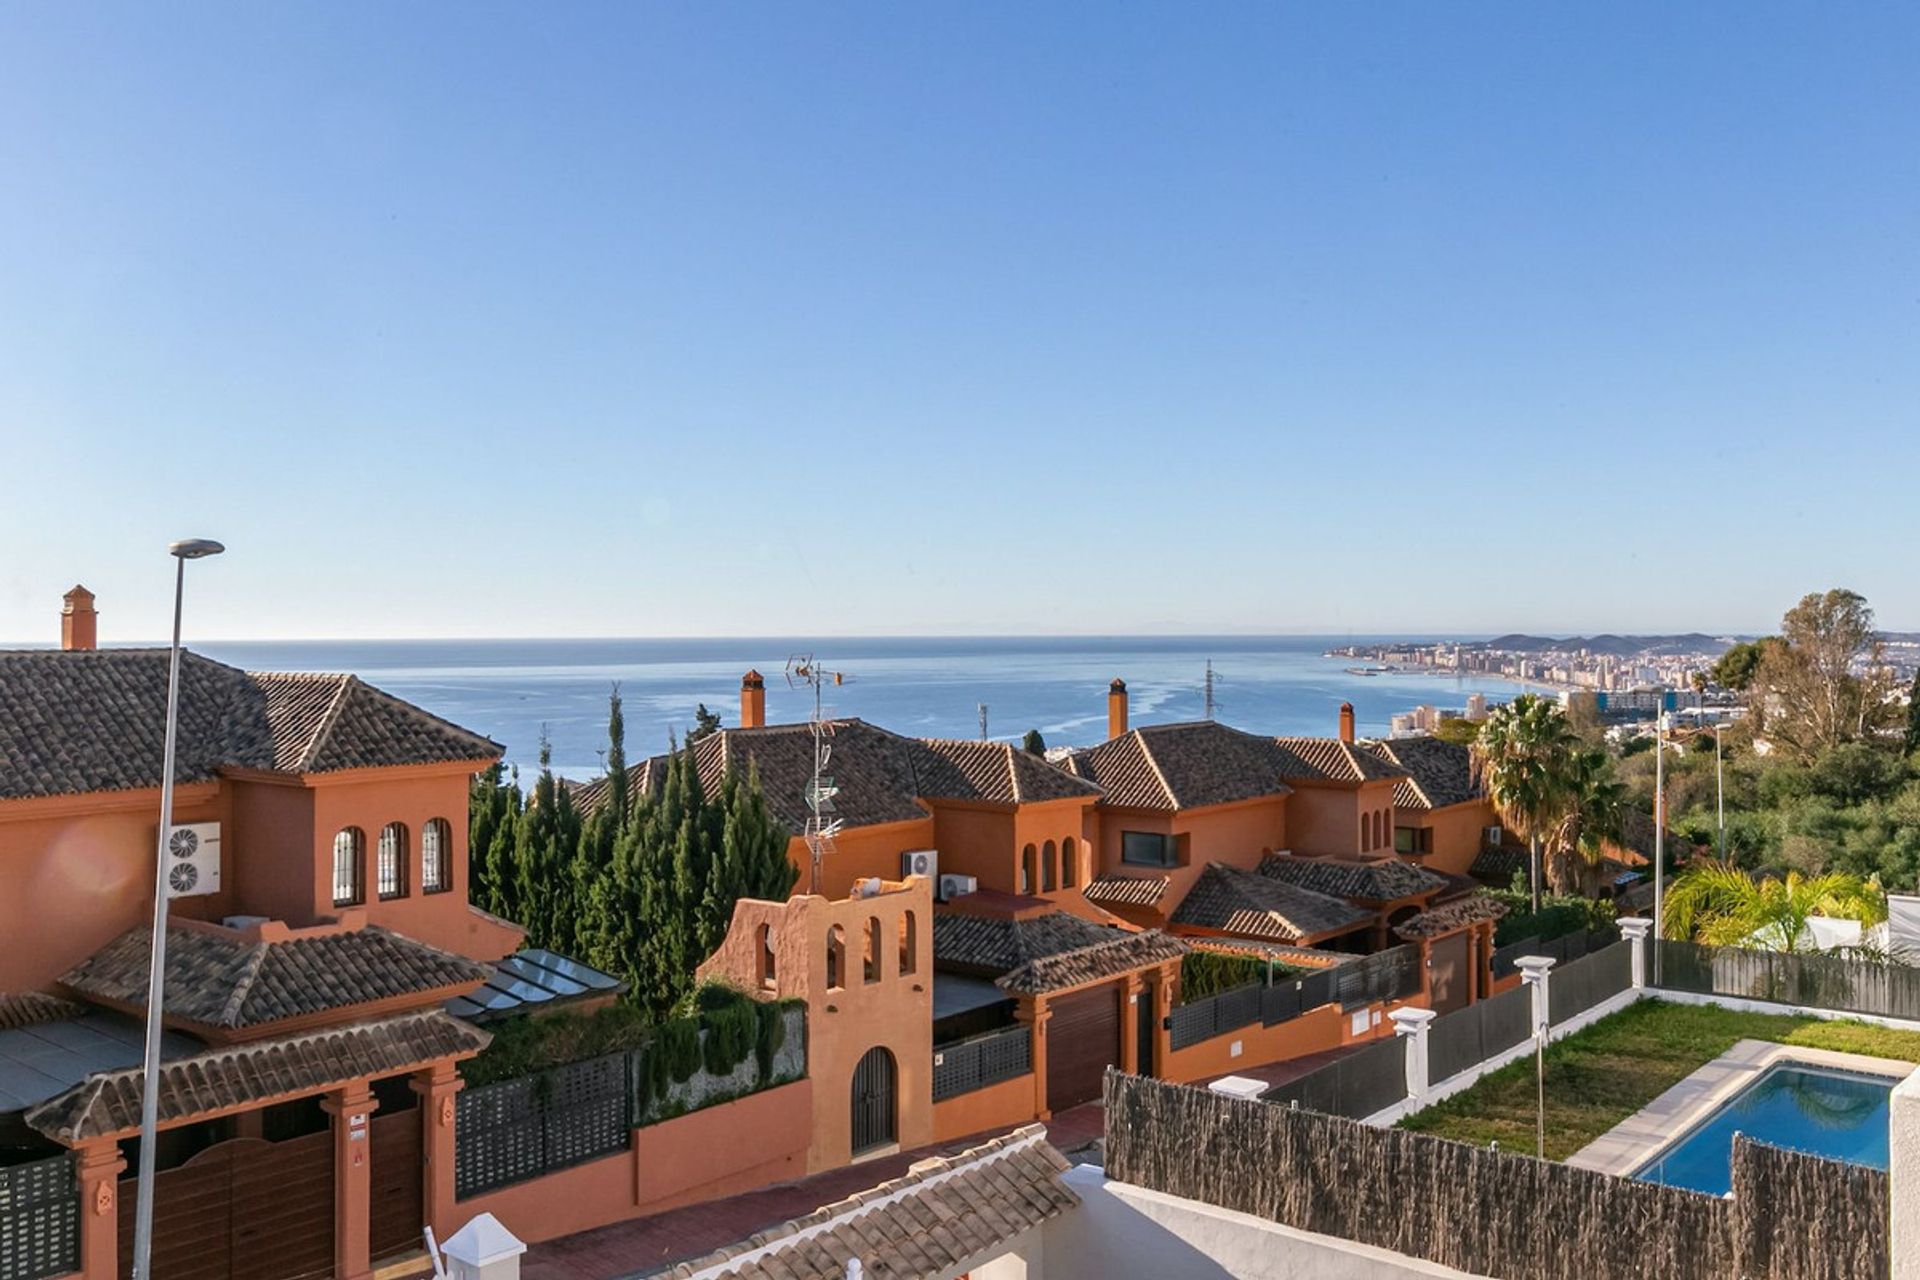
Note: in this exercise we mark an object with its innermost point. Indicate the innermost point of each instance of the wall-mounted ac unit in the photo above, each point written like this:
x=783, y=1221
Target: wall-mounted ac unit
x=921, y=862
x=955, y=886
x=1494, y=836
x=193, y=859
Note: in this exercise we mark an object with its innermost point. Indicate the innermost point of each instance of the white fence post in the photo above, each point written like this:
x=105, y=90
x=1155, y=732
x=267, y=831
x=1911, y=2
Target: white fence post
x=1903, y=1179
x=1412, y=1024
x=1636, y=929
x=1533, y=973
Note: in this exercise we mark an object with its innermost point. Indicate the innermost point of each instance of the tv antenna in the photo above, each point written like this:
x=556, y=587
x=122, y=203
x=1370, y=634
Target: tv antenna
x=983, y=721
x=1213, y=704
x=822, y=826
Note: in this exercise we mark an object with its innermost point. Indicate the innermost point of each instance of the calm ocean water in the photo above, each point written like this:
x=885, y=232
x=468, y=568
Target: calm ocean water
x=514, y=690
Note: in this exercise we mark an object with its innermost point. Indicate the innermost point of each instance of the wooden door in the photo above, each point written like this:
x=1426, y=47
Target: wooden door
x=396, y=1186
x=873, y=1101
x=1449, y=975
x=240, y=1210
x=1083, y=1040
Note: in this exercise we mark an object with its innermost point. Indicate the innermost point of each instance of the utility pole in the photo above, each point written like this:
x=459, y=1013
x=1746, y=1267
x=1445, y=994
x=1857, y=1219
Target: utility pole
x=1720, y=787
x=1210, y=688
x=983, y=721
x=1659, y=834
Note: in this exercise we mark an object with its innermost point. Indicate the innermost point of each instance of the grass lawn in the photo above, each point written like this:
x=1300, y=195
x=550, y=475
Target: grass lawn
x=1598, y=1077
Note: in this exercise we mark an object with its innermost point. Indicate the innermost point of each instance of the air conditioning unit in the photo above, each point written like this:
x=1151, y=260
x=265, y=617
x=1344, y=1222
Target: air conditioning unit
x=1494, y=836
x=193, y=859
x=952, y=886
x=921, y=862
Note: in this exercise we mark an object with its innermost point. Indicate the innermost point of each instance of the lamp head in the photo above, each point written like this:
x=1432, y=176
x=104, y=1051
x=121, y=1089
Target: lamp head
x=195, y=548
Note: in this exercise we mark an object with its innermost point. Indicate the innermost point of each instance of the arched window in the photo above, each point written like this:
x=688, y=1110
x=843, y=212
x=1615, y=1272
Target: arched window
x=1027, y=877
x=909, y=942
x=349, y=874
x=836, y=957
x=1069, y=863
x=436, y=856
x=870, y=950
x=1049, y=864
x=390, y=868
x=763, y=939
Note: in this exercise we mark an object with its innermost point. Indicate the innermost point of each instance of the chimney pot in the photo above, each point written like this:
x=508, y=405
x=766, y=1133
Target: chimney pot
x=1116, y=708
x=753, y=700
x=79, y=623
x=1346, y=722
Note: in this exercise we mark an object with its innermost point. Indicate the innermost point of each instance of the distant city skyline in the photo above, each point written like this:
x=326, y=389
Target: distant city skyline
x=988, y=319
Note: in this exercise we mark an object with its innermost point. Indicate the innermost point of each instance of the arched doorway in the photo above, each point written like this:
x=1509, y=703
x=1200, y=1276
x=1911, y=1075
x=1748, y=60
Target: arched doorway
x=873, y=1101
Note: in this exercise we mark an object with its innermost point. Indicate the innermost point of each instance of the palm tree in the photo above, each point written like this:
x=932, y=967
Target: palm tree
x=1520, y=757
x=1721, y=905
x=1592, y=804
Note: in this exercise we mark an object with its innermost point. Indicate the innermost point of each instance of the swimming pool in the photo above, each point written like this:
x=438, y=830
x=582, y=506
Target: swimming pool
x=1838, y=1114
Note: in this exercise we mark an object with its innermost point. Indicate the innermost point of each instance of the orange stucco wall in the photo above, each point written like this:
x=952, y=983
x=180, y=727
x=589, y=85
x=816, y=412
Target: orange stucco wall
x=1325, y=1028
x=1236, y=834
x=998, y=1106
x=893, y=1011
x=1328, y=819
x=717, y=1151
x=1458, y=831
x=78, y=872
x=862, y=853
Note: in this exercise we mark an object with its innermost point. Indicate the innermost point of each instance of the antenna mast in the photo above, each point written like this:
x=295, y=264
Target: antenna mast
x=983, y=722
x=822, y=826
x=1212, y=704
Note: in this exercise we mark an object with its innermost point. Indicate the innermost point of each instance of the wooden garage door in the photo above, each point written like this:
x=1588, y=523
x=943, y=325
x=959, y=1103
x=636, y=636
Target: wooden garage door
x=1083, y=1040
x=395, y=1186
x=240, y=1210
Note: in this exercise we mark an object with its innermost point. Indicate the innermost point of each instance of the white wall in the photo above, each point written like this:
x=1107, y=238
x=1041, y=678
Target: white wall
x=1903, y=1172
x=1122, y=1230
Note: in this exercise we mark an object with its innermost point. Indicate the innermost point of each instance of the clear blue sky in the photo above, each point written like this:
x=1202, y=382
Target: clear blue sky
x=789, y=318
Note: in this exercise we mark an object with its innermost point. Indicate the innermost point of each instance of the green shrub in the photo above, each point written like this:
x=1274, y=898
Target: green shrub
x=1558, y=917
x=770, y=1033
x=1206, y=973
x=528, y=1044
x=731, y=1032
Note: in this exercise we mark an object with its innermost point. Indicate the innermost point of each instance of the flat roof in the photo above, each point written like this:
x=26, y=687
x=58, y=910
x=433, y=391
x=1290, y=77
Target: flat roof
x=41, y=1061
x=956, y=993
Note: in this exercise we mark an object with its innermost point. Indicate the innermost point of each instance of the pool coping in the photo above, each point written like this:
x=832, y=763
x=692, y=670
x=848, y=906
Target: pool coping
x=1630, y=1144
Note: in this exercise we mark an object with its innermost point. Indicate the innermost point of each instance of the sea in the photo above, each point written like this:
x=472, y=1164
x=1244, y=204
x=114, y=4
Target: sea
x=519, y=692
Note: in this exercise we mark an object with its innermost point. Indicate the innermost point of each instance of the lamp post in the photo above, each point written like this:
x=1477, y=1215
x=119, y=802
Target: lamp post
x=1659, y=835
x=189, y=549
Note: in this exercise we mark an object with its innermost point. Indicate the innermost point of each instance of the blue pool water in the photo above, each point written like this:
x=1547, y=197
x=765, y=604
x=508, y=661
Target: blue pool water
x=1835, y=1114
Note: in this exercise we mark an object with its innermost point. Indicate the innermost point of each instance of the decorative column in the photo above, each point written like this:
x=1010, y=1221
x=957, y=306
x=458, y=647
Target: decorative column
x=1533, y=973
x=1637, y=930
x=1412, y=1024
x=1035, y=1013
x=1131, y=989
x=351, y=1107
x=436, y=1087
x=99, y=1166
x=1903, y=1178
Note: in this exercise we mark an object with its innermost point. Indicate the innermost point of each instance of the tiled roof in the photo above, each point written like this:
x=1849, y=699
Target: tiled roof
x=1107, y=959
x=1183, y=766
x=1496, y=865
x=1253, y=906
x=993, y=945
x=33, y=1008
x=109, y=1103
x=1334, y=760
x=1377, y=880
x=945, y=1215
x=1439, y=773
x=881, y=776
x=1451, y=917
x=1112, y=889
x=95, y=720
x=222, y=980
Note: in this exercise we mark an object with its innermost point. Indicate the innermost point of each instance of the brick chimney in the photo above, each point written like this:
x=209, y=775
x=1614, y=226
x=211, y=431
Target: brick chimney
x=79, y=624
x=1116, y=708
x=753, y=701
x=1346, y=722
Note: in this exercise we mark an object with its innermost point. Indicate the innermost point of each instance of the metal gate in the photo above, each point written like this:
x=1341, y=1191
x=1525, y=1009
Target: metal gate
x=1450, y=976
x=241, y=1210
x=395, y=1186
x=873, y=1101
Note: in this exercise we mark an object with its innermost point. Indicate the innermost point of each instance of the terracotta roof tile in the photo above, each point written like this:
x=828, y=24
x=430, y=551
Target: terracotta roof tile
x=1106, y=959
x=35, y=1008
x=1253, y=906
x=1451, y=917
x=223, y=980
x=109, y=1103
x=1372, y=880
x=1333, y=760
x=95, y=720
x=1439, y=773
x=993, y=945
x=1113, y=889
x=1183, y=766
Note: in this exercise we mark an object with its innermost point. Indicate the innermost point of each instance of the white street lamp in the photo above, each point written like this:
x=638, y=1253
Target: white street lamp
x=189, y=549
